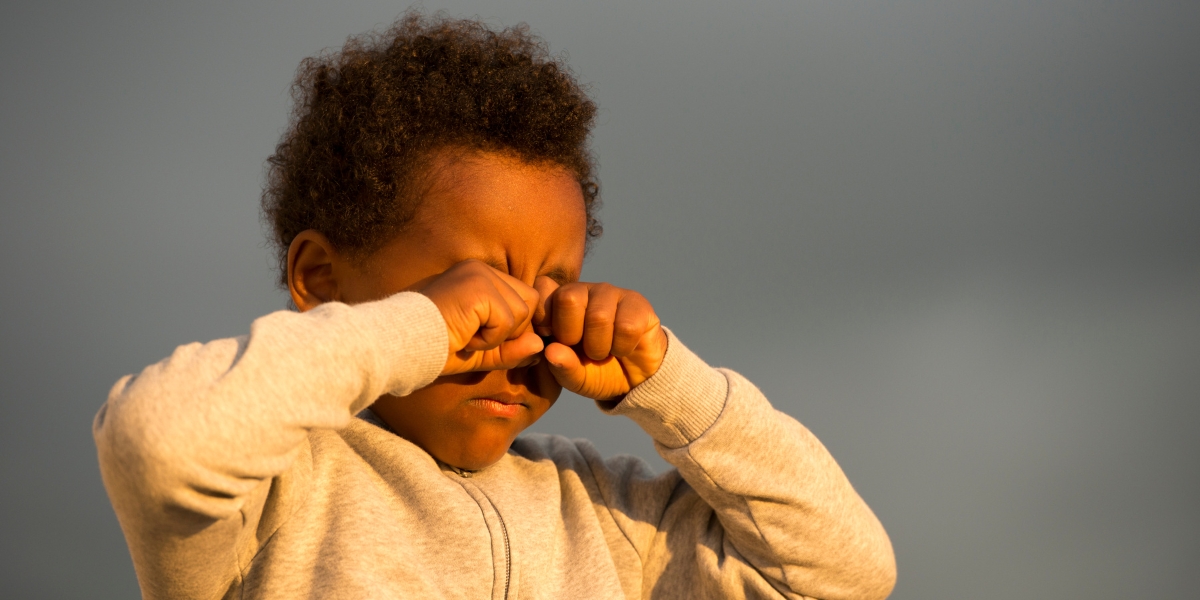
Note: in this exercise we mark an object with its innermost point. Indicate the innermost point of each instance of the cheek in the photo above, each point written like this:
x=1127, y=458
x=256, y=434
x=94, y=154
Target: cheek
x=426, y=414
x=543, y=384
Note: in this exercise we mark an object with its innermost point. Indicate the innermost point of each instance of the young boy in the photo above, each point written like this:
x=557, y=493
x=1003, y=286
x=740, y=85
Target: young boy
x=432, y=203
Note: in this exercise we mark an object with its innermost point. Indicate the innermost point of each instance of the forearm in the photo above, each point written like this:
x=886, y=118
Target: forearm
x=190, y=443
x=782, y=500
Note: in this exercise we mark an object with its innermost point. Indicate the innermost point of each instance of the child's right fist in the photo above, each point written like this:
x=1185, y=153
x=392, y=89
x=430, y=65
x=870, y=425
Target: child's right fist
x=487, y=316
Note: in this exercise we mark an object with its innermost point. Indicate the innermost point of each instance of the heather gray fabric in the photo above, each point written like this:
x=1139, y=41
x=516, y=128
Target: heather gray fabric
x=237, y=469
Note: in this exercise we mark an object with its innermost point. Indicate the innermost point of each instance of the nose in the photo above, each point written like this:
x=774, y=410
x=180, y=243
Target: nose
x=521, y=376
x=517, y=377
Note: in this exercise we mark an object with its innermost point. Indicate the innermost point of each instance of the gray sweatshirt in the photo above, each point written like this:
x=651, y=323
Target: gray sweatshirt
x=238, y=469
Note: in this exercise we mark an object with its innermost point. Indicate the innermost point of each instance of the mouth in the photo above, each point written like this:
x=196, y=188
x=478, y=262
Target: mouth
x=498, y=407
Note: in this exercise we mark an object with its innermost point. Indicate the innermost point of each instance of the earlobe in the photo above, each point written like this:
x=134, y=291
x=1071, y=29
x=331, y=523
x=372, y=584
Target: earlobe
x=311, y=276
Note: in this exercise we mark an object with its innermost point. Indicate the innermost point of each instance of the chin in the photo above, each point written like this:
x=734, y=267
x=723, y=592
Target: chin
x=474, y=461
x=480, y=452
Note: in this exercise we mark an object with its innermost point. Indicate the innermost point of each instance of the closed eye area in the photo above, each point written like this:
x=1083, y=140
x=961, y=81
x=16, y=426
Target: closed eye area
x=560, y=275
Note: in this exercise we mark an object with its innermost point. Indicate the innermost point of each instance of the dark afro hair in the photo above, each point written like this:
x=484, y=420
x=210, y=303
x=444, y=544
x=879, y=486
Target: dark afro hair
x=367, y=116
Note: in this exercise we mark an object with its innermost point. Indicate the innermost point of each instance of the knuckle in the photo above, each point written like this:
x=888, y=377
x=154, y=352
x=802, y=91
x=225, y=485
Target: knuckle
x=520, y=313
x=571, y=298
x=529, y=295
x=599, y=318
x=504, y=318
x=476, y=283
x=625, y=328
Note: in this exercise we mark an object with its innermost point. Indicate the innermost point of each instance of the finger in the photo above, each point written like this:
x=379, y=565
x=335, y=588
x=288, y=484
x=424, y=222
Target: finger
x=543, y=316
x=495, y=322
x=493, y=310
x=520, y=299
x=523, y=304
x=569, y=306
x=566, y=368
x=521, y=351
x=598, y=320
x=599, y=380
x=635, y=317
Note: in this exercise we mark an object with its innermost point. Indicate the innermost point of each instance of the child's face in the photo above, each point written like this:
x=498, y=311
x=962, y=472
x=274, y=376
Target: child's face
x=523, y=220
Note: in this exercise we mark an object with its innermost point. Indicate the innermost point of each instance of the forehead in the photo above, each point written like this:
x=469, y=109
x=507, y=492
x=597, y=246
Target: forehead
x=504, y=211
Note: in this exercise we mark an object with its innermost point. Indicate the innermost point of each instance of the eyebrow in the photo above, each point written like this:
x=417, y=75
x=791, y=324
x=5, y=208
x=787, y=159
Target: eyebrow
x=561, y=276
x=495, y=264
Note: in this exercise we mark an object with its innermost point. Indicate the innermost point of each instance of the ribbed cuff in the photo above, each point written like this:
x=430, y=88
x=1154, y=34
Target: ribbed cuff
x=410, y=338
x=679, y=402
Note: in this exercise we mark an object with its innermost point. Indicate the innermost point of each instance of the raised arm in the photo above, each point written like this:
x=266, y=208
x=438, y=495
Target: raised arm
x=761, y=506
x=787, y=521
x=204, y=453
x=191, y=447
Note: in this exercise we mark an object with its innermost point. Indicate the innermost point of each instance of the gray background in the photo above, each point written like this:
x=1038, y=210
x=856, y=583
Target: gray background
x=958, y=240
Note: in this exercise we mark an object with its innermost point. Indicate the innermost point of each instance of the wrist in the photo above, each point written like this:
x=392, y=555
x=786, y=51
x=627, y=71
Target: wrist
x=679, y=402
x=410, y=339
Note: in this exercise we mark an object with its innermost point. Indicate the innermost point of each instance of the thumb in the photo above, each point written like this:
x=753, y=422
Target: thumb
x=565, y=366
x=543, y=316
x=596, y=379
x=510, y=354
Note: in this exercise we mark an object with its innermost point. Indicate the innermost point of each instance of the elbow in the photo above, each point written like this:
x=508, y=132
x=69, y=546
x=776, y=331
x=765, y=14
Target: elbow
x=869, y=574
x=146, y=484
x=885, y=580
x=143, y=472
x=875, y=563
x=866, y=582
x=862, y=577
x=878, y=576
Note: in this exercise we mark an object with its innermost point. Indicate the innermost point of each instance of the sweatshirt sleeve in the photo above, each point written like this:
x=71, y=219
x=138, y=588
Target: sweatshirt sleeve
x=195, y=448
x=762, y=509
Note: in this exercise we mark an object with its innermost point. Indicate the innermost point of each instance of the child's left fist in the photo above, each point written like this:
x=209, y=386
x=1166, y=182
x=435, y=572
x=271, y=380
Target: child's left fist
x=606, y=339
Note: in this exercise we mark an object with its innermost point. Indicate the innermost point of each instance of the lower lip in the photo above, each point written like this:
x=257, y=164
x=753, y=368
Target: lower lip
x=497, y=409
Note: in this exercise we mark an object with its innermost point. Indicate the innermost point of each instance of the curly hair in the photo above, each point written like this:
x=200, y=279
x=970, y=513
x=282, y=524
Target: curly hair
x=366, y=118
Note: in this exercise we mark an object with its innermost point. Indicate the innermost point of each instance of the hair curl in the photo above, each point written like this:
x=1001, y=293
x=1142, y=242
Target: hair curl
x=367, y=116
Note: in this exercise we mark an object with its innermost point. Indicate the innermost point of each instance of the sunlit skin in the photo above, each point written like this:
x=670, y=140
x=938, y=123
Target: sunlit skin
x=497, y=244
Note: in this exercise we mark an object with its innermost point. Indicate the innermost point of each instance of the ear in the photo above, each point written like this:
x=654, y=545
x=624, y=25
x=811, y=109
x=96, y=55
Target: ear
x=312, y=278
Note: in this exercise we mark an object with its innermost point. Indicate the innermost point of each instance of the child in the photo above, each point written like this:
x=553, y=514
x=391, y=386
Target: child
x=432, y=203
